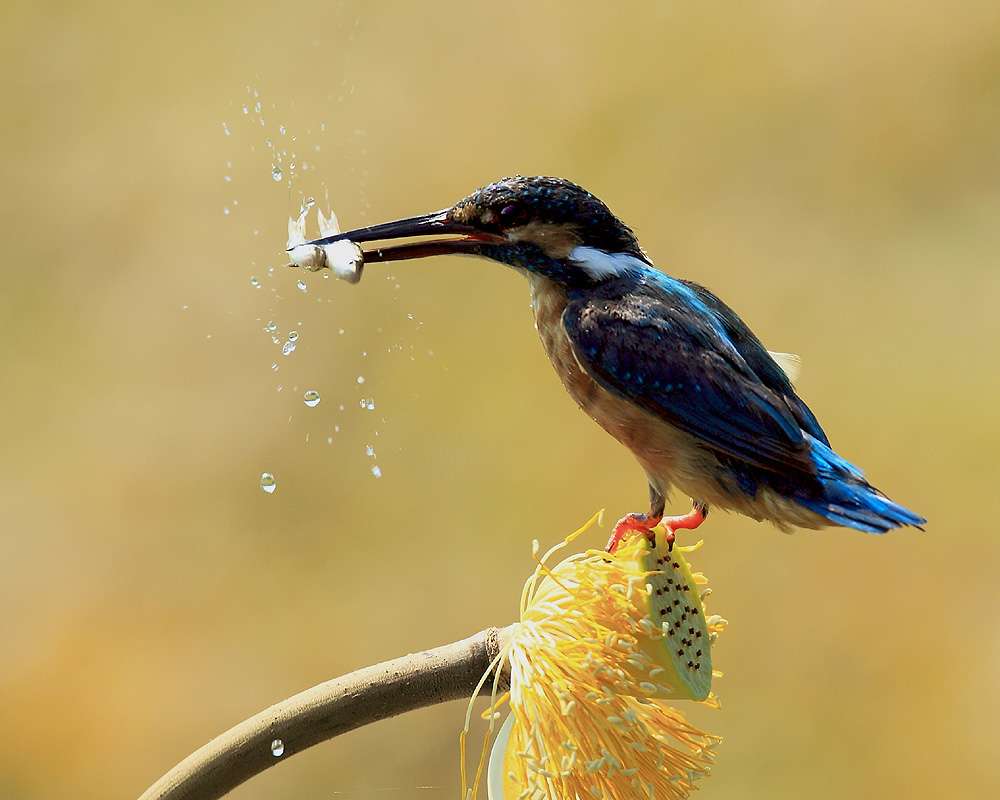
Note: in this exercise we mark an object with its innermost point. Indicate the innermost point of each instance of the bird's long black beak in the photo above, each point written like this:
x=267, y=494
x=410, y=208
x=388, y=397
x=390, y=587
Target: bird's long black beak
x=436, y=223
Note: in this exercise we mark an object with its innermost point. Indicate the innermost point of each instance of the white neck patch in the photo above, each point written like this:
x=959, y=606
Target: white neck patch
x=598, y=264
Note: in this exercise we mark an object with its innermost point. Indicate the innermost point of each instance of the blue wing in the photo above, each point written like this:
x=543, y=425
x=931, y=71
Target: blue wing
x=679, y=352
x=669, y=348
x=759, y=360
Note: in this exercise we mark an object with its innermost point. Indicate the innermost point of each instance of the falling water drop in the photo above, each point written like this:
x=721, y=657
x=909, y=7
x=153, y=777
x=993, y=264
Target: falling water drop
x=287, y=348
x=276, y=172
x=267, y=482
x=311, y=398
x=302, y=286
x=376, y=471
x=293, y=336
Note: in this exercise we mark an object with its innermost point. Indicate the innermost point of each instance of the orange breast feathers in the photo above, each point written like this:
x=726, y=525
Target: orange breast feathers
x=665, y=454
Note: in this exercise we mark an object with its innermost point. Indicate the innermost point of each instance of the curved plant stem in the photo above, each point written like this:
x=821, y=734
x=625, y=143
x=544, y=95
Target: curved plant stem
x=414, y=681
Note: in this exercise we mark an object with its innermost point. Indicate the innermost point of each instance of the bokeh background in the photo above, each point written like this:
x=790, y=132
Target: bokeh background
x=831, y=169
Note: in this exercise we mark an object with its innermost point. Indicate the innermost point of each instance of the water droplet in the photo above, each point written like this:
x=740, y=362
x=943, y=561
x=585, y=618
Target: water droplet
x=255, y=283
x=369, y=450
x=225, y=128
x=311, y=398
x=277, y=748
x=293, y=336
x=225, y=211
x=276, y=172
x=271, y=326
x=287, y=348
x=361, y=378
x=302, y=286
x=281, y=129
x=369, y=404
x=274, y=366
x=246, y=110
x=229, y=178
x=267, y=482
x=376, y=471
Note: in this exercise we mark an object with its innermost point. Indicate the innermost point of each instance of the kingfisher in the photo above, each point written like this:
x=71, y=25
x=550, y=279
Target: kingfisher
x=661, y=363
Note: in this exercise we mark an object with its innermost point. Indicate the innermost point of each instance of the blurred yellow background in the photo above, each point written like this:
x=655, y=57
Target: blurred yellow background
x=832, y=170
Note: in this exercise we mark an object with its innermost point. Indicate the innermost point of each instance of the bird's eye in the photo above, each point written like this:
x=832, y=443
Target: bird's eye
x=511, y=215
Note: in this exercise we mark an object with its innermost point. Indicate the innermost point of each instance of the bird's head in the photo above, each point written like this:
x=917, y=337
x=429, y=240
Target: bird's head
x=546, y=226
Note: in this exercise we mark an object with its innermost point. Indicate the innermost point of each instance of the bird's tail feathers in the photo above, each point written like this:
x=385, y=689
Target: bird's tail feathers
x=849, y=500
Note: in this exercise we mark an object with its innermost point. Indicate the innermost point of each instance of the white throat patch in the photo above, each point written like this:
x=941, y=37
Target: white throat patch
x=598, y=264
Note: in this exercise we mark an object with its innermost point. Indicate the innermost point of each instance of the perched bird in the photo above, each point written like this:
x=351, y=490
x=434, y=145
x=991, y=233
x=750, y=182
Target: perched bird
x=661, y=364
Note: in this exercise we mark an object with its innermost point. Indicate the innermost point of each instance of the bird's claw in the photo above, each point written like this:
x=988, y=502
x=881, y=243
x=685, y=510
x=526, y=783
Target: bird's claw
x=645, y=524
x=639, y=523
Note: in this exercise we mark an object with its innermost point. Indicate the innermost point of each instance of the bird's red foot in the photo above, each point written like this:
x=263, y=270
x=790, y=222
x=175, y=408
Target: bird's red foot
x=644, y=523
x=685, y=522
x=640, y=523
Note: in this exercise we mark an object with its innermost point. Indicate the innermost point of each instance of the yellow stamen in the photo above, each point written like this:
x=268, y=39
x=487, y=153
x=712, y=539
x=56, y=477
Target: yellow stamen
x=603, y=641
